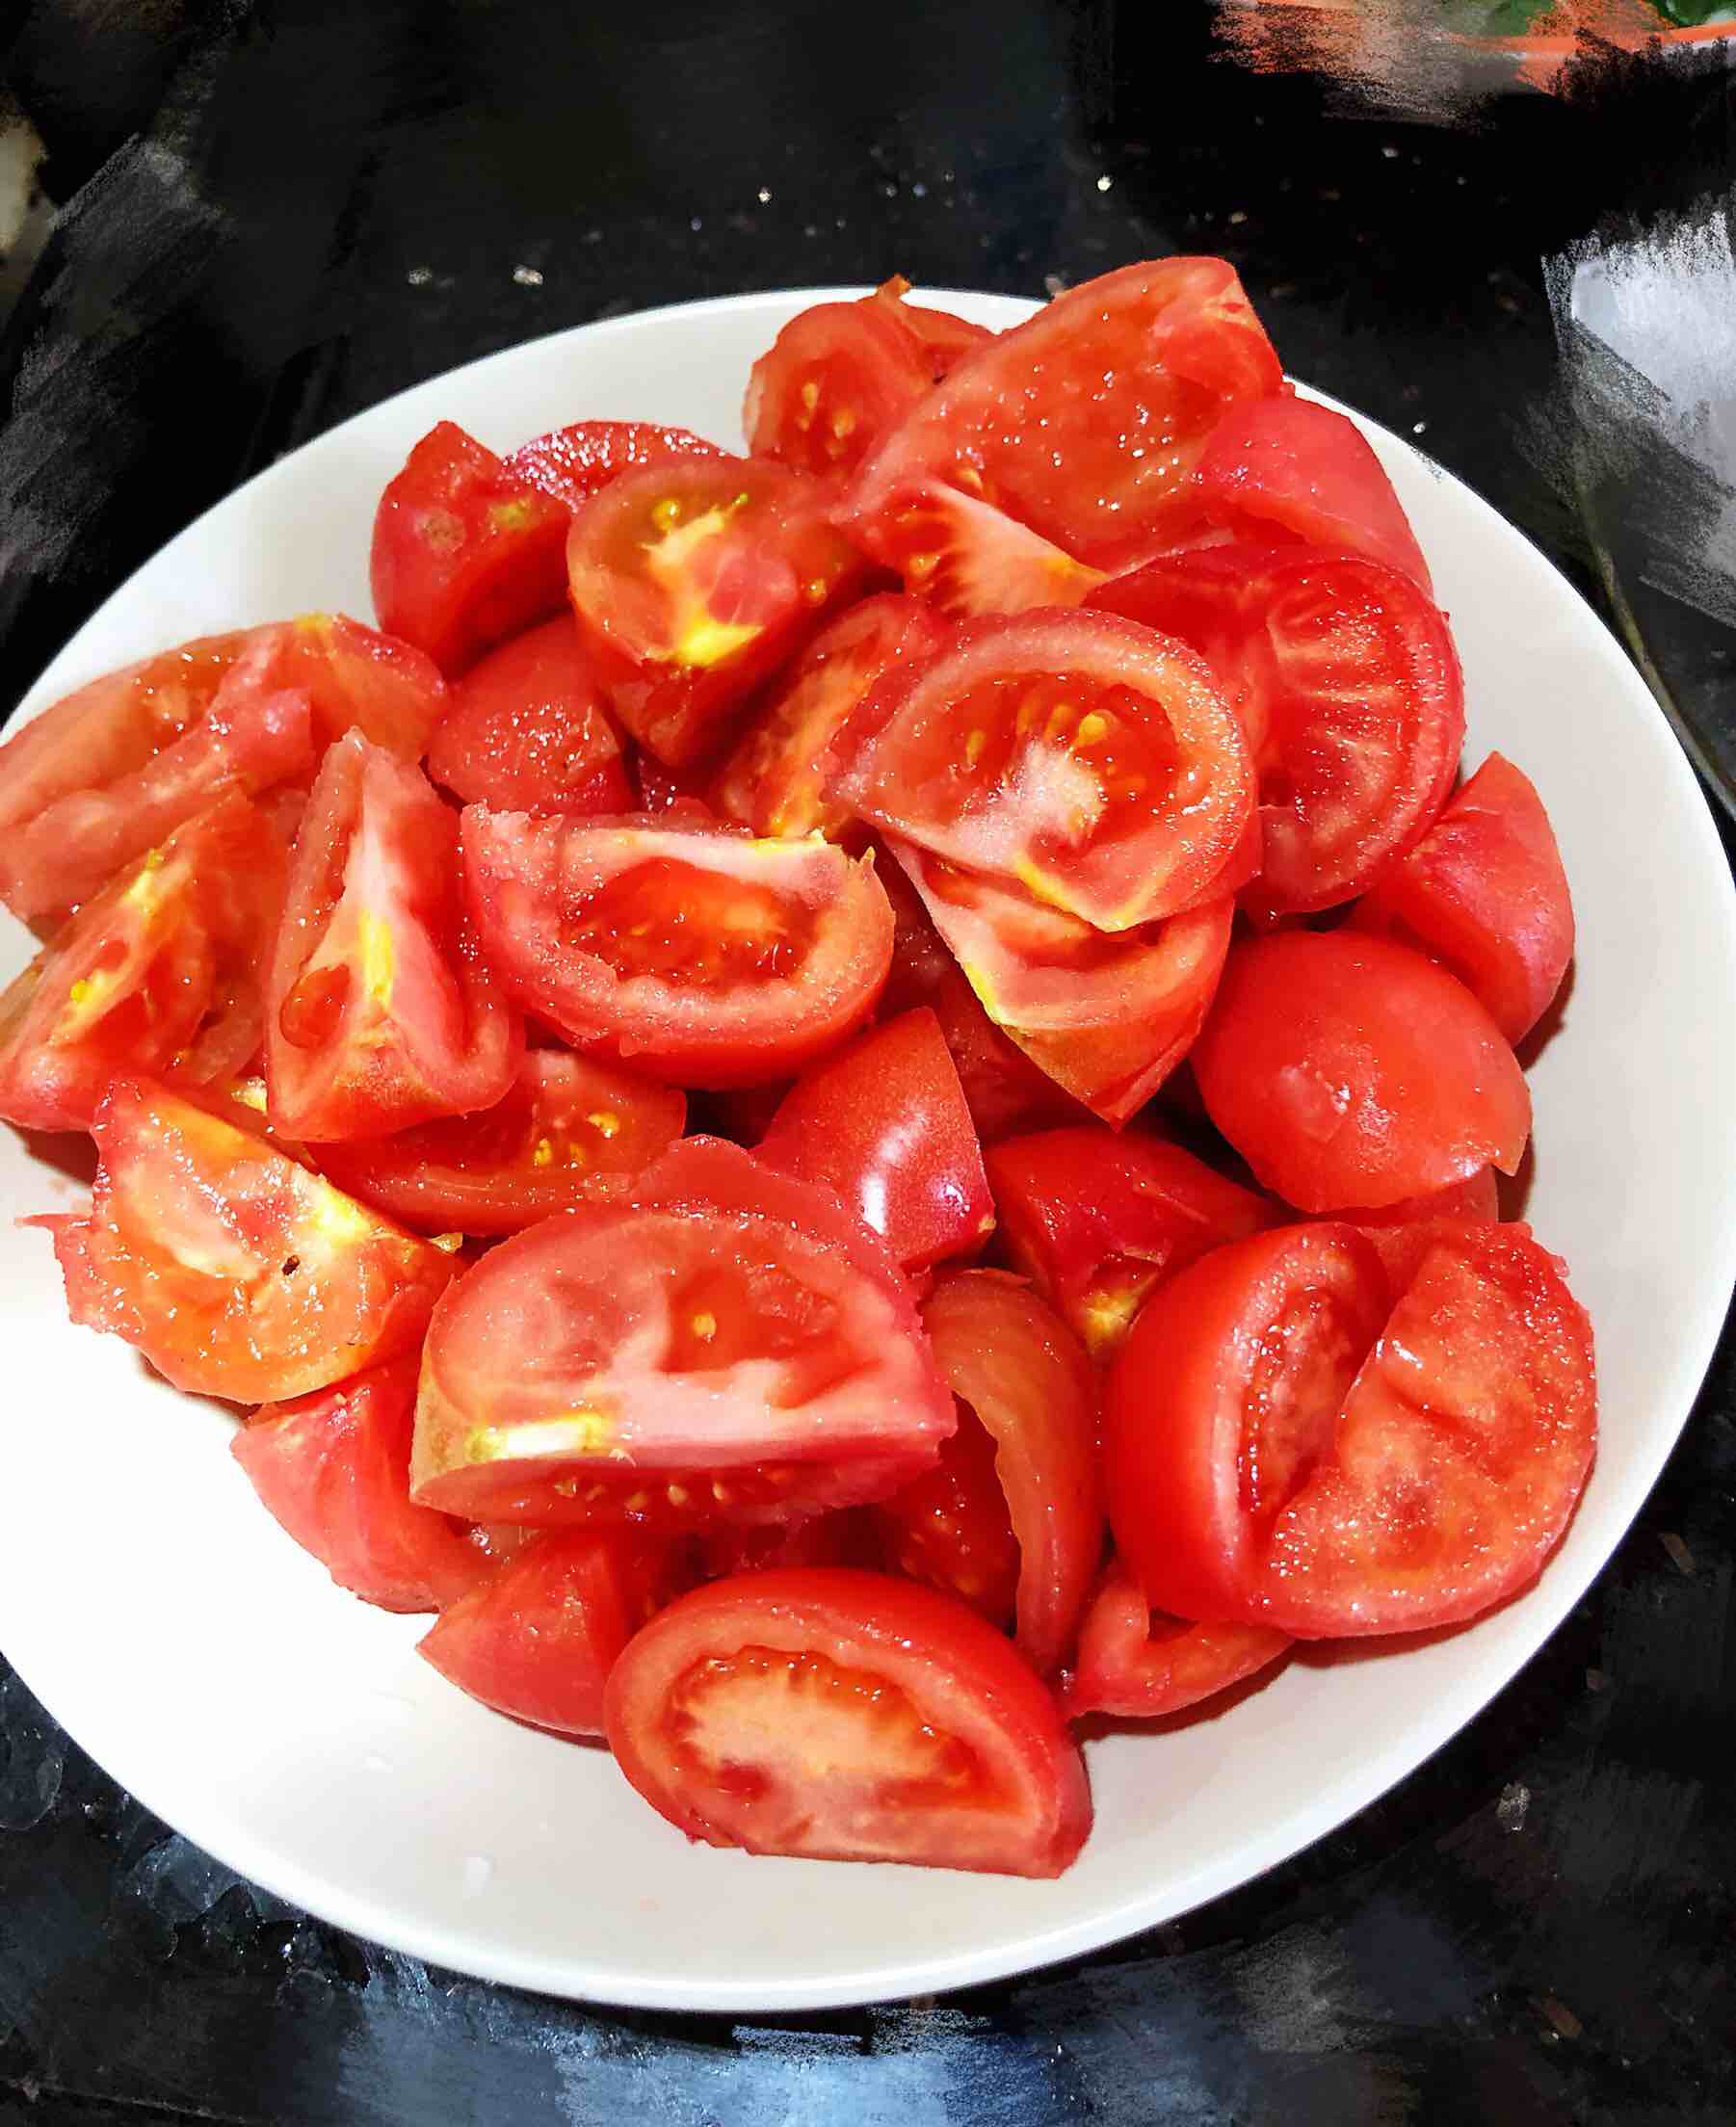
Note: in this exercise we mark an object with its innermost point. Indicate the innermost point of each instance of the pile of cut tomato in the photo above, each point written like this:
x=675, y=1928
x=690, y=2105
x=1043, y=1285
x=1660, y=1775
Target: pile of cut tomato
x=845, y=1101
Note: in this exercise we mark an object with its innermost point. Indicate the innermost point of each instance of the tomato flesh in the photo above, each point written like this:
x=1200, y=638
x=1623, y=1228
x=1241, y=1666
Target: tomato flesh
x=951, y=1529
x=1400, y=1233
x=1140, y=1664
x=575, y=462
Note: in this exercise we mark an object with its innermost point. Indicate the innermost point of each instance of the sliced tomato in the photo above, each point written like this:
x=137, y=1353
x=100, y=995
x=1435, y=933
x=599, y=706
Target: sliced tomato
x=944, y=337
x=692, y=582
x=1401, y=1232
x=357, y=679
x=161, y=972
x=1288, y=1446
x=1288, y=466
x=1350, y=687
x=1107, y=1018
x=1091, y=761
x=1485, y=895
x=528, y=729
x=778, y=778
x=1097, y=1221
x=333, y=1470
x=950, y=1526
x=727, y=1345
x=1137, y=1664
x=381, y=1012
x=971, y=560
x=1084, y=422
x=464, y=552
x=236, y=1272
x=536, y=1638
x=576, y=463
x=846, y=1717
x=884, y=1125
x=694, y=953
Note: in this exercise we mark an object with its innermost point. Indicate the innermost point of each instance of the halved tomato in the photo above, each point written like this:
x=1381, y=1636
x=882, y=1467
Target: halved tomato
x=528, y=729
x=778, y=778
x=1137, y=1664
x=1484, y=894
x=1348, y=684
x=161, y=972
x=950, y=1526
x=1098, y=1219
x=236, y=1272
x=846, y=1717
x=381, y=1011
x=574, y=463
x=569, y=1130
x=333, y=1470
x=1107, y=1018
x=1090, y=760
x=1348, y=1070
x=692, y=582
x=1399, y=1233
x=1084, y=423
x=464, y=552
x=882, y=1123
x=696, y=953
x=727, y=1345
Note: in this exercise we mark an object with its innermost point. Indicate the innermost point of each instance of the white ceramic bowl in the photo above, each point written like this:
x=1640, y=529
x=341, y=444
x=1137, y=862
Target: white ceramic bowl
x=215, y=1671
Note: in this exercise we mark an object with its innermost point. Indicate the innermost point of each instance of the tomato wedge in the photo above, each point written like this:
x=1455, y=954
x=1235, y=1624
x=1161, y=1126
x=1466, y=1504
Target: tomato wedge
x=575, y=462
x=1140, y=1664
x=1484, y=894
x=726, y=1344
x=332, y=1469
x=528, y=729
x=694, y=953
x=1348, y=1070
x=236, y=1272
x=970, y=560
x=1084, y=423
x=381, y=1012
x=1097, y=1221
x=1399, y=1233
x=846, y=1717
x=161, y=972
x=692, y=581
x=1350, y=687
x=950, y=1526
x=1091, y=761
x=884, y=1125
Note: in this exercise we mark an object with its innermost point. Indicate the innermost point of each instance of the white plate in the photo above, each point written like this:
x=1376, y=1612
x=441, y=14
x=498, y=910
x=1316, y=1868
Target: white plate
x=213, y=1669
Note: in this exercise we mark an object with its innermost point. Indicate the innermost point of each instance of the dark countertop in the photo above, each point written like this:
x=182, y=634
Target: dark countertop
x=270, y=217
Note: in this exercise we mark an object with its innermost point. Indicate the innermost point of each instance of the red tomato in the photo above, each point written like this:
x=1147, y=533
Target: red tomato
x=778, y=778
x=1286, y=1446
x=464, y=552
x=1092, y=761
x=381, y=1012
x=823, y=1540
x=357, y=679
x=334, y=1469
x=690, y=953
x=528, y=729
x=726, y=1344
x=1139, y=1664
x=1285, y=464
x=1483, y=895
x=1086, y=422
x=943, y=338
x=536, y=1638
x=236, y=1272
x=692, y=582
x=573, y=464
x=884, y=1125
x=950, y=1526
x=1097, y=1221
x=846, y=1717
x=1401, y=1232
x=1350, y=687
x=971, y=560
x=1348, y=1070
x=663, y=790
x=160, y=972
x=1107, y=1018
x=569, y=1130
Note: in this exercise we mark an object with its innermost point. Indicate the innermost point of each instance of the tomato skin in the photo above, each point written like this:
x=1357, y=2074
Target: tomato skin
x=332, y=1469
x=1097, y=1221
x=756, y=956
x=575, y=462
x=528, y=731
x=955, y=1698
x=569, y=1130
x=1140, y=1666
x=1483, y=895
x=463, y=552
x=1348, y=1070
x=1400, y=1233
x=884, y=1123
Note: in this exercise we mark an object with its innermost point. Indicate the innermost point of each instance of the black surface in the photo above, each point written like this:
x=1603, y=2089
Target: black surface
x=272, y=217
